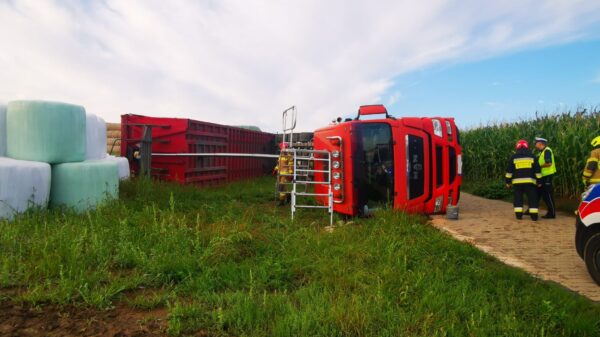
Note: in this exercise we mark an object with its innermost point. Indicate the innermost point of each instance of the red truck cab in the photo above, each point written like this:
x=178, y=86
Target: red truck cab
x=412, y=163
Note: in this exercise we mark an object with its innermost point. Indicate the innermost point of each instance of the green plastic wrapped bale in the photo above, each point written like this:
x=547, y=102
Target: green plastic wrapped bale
x=84, y=185
x=45, y=131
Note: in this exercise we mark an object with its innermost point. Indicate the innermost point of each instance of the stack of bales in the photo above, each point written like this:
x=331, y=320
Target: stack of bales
x=114, y=138
x=54, y=155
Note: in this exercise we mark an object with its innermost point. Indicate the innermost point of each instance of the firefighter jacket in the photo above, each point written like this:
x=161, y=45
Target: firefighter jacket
x=547, y=157
x=523, y=168
x=591, y=174
x=285, y=164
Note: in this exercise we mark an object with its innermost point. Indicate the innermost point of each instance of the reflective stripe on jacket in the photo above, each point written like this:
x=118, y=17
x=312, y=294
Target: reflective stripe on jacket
x=591, y=174
x=522, y=168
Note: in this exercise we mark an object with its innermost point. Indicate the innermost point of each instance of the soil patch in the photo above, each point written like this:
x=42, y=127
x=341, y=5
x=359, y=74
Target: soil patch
x=18, y=319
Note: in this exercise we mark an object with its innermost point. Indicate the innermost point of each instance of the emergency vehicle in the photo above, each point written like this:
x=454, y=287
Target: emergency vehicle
x=409, y=163
x=587, y=233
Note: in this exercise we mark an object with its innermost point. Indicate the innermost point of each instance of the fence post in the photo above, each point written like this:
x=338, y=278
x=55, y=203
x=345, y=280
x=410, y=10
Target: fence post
x=146, y=151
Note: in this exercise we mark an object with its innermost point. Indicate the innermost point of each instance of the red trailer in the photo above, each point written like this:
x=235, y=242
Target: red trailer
x=412, y=164
x=179, y=135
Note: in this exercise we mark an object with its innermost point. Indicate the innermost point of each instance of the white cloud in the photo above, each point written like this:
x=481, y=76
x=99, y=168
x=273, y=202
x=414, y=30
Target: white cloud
x=243, y=62
x=394, y=98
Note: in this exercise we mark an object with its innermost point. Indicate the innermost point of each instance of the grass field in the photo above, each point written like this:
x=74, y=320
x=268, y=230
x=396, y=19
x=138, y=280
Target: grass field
x=227, y=262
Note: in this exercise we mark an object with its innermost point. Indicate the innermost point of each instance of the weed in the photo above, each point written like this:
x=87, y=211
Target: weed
x=227, y=261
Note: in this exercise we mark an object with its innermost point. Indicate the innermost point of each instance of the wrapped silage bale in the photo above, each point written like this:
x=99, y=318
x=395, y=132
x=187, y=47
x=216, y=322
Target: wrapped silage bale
x=2, y=130
x=45, y=131
x=123, y=165
x=84, y=185
x=23, y=184
x=95, y=135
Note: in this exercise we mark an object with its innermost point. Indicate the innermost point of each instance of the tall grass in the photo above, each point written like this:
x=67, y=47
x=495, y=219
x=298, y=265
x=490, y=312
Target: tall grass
x=227, y=262
x=487, y=149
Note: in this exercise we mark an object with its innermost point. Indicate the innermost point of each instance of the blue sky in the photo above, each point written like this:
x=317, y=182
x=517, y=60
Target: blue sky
x=243, y=62
x=504, y=88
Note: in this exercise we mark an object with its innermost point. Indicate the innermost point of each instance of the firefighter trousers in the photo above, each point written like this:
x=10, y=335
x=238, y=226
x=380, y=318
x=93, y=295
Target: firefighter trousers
x=519, y=191
x=546, y=193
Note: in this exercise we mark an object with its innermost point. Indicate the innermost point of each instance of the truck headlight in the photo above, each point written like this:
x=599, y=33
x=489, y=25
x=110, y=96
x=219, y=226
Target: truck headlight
x=437, y=127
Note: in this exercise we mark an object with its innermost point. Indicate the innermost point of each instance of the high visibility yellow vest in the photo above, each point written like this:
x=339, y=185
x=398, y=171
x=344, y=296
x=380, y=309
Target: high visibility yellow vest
x=546, y=171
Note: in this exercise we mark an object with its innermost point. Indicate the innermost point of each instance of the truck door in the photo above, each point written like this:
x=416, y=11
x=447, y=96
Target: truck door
x=413, y=176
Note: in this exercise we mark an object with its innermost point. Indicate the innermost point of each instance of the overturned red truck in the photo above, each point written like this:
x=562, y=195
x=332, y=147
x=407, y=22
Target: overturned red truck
x=411, y=163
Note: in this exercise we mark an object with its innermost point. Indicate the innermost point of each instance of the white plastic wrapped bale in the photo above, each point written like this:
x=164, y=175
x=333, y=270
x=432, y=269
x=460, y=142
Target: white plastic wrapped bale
x=95, y=137
x=45, y=131
x=23, y=184
x=84, y=185
x=123, y=165
x=2, y=130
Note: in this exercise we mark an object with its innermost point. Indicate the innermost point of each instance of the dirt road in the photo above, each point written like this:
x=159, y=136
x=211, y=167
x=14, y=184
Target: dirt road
x=544, y=248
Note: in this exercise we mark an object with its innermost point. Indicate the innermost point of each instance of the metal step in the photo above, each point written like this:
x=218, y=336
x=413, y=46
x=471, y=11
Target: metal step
x=313, y=182
x=313, y=194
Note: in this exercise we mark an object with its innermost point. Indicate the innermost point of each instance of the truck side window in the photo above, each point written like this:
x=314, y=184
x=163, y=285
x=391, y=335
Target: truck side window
x=439, y=170
x=415, y=170
x=452, y=163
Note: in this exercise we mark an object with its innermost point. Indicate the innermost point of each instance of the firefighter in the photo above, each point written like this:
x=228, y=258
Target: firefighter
x=285, y=167
x=523, y=174
x=591, y=174
x=548, y=167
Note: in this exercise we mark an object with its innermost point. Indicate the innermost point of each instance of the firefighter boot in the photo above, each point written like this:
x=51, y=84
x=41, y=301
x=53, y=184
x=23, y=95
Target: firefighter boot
x=282, y=199
x=519, y=215
x=533, y=212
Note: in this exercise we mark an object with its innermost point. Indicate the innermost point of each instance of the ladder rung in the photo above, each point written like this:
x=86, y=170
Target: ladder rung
x=314, y=194
x=309, y=158
x=324, y=171
x=313, y=182
x=309, y=206
x=291, y=175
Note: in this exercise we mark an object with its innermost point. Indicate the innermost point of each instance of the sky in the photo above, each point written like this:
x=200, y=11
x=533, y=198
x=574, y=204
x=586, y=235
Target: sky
x=243, y=62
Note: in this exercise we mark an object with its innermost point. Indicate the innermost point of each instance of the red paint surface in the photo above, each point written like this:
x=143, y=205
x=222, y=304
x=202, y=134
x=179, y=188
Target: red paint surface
x=178, y=135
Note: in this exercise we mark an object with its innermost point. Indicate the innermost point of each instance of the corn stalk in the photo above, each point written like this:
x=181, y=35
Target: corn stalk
x=486, y=149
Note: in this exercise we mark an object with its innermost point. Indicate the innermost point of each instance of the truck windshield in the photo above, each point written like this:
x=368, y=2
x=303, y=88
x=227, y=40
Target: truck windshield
x=374, y=164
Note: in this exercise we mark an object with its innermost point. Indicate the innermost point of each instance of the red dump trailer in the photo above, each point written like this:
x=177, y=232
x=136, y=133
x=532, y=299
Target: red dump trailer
x=180, y=135
x=412, y=164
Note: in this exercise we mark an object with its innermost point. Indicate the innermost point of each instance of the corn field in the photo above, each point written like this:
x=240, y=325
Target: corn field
x=486, y=149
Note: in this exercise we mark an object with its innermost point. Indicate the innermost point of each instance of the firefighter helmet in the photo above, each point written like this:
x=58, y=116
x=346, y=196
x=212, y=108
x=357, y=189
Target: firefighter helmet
x=283, y=145
x=596, y=141
x=522, y=144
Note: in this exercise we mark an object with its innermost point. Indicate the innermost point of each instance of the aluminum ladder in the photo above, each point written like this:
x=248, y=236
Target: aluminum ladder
x=303, y=175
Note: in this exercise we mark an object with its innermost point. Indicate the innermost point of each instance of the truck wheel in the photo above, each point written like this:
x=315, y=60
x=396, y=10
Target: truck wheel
x=592, y=257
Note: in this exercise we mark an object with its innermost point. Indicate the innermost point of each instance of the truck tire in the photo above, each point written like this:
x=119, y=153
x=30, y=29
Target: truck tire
x=592, y=257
